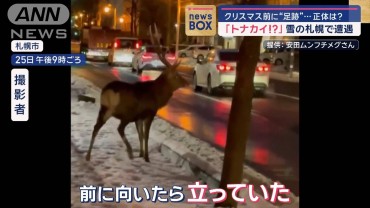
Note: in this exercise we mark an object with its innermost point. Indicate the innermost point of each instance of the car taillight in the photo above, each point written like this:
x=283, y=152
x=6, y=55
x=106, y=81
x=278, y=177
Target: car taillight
x=171, y=57
x=146, y=56
x=263, y=68
x=224, y=68
x=138, y=44
x=117, y=44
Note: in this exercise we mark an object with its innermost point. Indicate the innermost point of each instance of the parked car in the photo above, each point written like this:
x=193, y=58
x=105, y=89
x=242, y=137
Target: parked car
x=96, y=54
x=276, y=56
x=188, y=50
x=147, y=58
x=123, y=51
x=200, y=53
x=217, y=70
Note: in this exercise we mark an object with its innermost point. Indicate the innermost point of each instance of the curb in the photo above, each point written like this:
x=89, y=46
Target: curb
x=184, y=158
x=187, y=160
x=285, y=77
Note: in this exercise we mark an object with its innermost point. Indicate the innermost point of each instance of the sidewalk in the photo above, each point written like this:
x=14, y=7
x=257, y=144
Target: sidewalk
x=177, y=157
x=285, y=76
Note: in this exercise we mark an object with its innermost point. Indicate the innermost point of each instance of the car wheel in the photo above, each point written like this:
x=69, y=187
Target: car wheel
x=278, y=62
x=259, y=93
x=210, y=90
x=195, y=86
x=183, y=55
x=139, y=71
x=266, y=61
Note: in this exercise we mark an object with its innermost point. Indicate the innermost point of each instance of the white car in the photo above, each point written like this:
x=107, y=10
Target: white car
x=96, y=54
x=188, y=51
x=218, y=71
x=200, y=53
x=147, y=58
x=123, y=51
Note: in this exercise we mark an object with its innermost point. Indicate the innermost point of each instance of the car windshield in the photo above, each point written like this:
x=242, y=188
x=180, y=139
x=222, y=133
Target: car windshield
x=151, y=49
x=228, y=56
x=125, y=43
x=183, y=47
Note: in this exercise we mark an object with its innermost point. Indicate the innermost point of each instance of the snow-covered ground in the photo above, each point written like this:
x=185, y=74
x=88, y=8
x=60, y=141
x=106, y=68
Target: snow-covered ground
x=110, y=166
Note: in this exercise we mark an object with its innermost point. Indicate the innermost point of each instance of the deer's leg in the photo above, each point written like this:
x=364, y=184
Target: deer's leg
x=140, y=131
x=121, y=131
x=147, y=123
x=103, y=116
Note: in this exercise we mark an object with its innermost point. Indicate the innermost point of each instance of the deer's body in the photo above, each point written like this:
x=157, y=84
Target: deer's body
x=139, y=103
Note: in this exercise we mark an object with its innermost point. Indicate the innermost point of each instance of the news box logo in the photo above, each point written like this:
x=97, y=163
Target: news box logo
x=200, y=20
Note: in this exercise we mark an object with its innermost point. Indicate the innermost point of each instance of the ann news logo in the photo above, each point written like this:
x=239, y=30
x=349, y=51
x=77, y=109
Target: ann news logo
x=200, y=20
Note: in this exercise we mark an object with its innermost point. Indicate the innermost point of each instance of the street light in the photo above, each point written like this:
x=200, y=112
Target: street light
x=178, y=25
x=107, y=10
x=81, y=17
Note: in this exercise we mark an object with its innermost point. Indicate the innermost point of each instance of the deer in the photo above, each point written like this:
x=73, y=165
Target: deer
x=138, y=102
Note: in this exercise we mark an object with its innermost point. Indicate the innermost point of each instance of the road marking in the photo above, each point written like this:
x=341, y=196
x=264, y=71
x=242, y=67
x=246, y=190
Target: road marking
x=226, y=102
x=95, y=64
x=282, y=95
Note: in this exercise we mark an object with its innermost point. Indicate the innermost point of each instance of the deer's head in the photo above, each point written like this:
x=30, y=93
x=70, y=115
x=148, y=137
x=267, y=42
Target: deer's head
x=175, y=80
x=170, y=74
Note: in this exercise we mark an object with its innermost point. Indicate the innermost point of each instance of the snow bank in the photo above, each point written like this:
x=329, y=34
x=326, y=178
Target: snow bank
x=110, y=166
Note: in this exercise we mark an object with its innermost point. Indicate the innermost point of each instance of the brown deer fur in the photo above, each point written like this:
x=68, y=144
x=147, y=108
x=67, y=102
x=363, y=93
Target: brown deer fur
x=139, y=103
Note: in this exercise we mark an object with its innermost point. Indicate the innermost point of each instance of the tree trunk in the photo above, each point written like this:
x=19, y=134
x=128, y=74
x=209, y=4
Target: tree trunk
x=240, y=114
x=169, y=22
x=132, y=17
x=240, y=117
x=135, y=17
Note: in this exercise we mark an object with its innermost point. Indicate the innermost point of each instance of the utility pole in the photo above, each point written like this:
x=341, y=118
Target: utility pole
x=115, y=18
x=291, y=65
x=132, y=17
x=178, y=27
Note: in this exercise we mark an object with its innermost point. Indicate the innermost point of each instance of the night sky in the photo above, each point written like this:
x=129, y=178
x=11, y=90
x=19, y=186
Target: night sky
x=79, y=5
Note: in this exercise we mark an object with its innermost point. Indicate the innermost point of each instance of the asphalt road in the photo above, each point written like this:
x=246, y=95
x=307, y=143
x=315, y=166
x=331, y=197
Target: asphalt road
x=273, y=144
